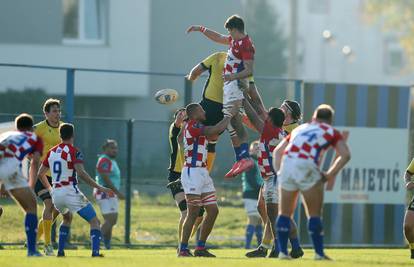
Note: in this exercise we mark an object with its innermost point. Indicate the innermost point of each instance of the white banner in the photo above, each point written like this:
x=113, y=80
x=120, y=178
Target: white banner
x=376, y=169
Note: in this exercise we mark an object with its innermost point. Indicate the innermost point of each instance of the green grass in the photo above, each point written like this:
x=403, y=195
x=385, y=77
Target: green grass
x=153, y=221
x=225, y=257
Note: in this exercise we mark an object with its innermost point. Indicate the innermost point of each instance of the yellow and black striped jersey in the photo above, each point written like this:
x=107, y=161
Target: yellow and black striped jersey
x=177, y=154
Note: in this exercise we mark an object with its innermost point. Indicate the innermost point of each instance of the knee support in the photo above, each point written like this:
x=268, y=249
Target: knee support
x=231, y=130
x=211, y=147
x=182, y=205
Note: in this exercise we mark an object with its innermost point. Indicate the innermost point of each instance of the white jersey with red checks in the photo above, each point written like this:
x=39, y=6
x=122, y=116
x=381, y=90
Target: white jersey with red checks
x=19, y=144
x=239, y=51
x=61, y=160
x=269, y=139
x=195, y=145
x=310, y=140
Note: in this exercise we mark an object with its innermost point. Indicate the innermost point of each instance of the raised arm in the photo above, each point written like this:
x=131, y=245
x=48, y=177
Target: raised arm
x=210, y=34
x=80, y=170
x=196, y=72
x=344, y=155
x=255, y=99
x=218, y=128
x=255, y=119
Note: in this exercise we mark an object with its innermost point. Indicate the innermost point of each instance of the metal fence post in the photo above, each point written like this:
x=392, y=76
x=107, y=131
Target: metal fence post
x=188, y=91
x=128, y=183
x=70, y=94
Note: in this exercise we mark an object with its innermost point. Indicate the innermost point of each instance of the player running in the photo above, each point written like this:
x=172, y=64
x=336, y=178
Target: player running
x=108, y=174
x=293, y=114
x=252, y=183
x=298, y=158
x=238, y=66
x=14, y=147
x=66, y=163
x=409, y=214
x=197, y=183
x=176, y=165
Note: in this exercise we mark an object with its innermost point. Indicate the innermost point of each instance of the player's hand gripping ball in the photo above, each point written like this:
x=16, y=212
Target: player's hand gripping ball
x=166, y=96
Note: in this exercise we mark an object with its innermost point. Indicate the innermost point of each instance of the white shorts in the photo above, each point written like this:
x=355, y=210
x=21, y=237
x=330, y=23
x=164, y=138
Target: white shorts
x=298, y=174
x=250, y=205
x=196, y=181
x=232, y=92
x=11, y=174
x=66, y=199
x=108, y=205
x=271, y=190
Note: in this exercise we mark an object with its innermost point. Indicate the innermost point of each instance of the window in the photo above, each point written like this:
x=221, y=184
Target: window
x=84, y=21
x=394, y=57
x=318, y=6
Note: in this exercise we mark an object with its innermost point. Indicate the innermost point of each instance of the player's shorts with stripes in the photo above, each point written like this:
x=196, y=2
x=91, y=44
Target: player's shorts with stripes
x=271, y=190
x=298, y=174
x=68, y=199
x=196, y=181
x=11, y=175
x=250, y=205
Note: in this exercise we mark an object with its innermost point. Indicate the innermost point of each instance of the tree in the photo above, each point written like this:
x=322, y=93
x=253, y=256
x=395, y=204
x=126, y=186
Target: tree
x=396, y=16
x=262, y=24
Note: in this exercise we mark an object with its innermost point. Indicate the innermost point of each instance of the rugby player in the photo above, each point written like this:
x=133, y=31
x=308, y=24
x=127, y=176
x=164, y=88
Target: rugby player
x=176, y=165
x=297, y=160
x=251, y=183
x=197, y=183
x=409, y=214
x=108, y=175
x=238, y=66
x=14, y=147
x=66, y=163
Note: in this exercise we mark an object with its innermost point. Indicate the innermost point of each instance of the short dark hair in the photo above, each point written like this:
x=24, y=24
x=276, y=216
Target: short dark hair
x=294, y=108
x=49, y=103
x=190, y=108
x=324, y=113
x=234, y=22
x=277, y=116
x=66, y=131
x=109, y=142
x=24, y=122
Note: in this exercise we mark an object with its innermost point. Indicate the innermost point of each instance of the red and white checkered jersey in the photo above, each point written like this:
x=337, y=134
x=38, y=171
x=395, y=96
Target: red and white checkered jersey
x=195, y=145
x=61, y=160
x=20, y=144
x=269, y=139
x=239, y=51
x=310, y=140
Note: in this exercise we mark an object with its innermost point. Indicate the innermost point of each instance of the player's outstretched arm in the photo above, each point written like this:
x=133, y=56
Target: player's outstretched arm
x=41, y=175
x=255, y=119
x=222, y=125
x=80, y=169
x=342, y=150
x=33, y=169
x=210, y=34
x=278, y=154
x=196, y=72
x=256, y=99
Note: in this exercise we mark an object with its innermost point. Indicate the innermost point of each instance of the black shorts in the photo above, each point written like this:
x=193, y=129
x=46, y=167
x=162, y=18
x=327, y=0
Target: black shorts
x=173, y=176
x=214, y=111
x=41, y=191
x=411, y=205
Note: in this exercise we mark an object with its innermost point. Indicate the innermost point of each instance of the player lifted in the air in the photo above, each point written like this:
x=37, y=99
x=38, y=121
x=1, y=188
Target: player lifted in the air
x=14, y=147
x=196, y=181
x=297, y=159
x=237, y=68
x=66, y=163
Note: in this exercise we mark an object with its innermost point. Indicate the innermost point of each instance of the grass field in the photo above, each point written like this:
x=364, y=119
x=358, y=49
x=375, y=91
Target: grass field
x=225, y=257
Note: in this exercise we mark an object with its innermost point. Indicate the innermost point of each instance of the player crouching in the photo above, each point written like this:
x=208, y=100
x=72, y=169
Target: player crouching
x=197, y=184
x=298, y=158
x=65, y=162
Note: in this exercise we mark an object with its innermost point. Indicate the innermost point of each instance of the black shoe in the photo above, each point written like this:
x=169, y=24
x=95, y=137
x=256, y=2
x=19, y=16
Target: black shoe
x=98, y=255
x=184, y=253
x=296, y=253
x=260, y=252
x=60, y=254
x=203, y=253
x=274, y=253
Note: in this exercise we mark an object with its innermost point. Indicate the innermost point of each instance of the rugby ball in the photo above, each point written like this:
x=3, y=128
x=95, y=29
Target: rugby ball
x=166, y=96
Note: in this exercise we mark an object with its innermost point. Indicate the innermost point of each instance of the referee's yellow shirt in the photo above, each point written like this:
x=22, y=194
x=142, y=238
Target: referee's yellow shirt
x=50, y=137
x=213, y=89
